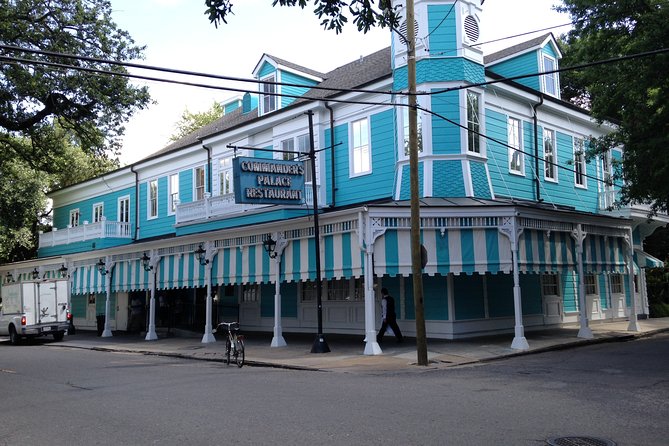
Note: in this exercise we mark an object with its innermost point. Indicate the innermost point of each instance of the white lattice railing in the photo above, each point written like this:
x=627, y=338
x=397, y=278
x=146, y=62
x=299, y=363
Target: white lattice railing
x=87, y=231
x=220, y=206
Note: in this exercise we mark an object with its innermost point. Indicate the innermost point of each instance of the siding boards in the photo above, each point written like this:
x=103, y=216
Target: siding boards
x=446, y=135
x=524, y=64
x=442, y=32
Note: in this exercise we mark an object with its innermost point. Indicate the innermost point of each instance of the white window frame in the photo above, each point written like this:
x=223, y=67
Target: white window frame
x=616, y=281
x=550, y=82
x=403, y=136
x=580, y=179
x=271, y=99
x=225, y=181
x=151, y=201
x=120, y=206
x=173, y=193
x=550, y=287
x=197, y=188
x=361, y=154
x=250, y=293
x=98, y=212
x=475, y=124
x=552, y=163
x=75, y=216
x=590, y=284
x=515, y=143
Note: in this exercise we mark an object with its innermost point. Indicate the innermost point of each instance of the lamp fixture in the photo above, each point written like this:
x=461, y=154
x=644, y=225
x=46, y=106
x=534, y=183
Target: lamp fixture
x=9, y=277
x=101, y=267
x=145, y=262
x=200, y=254
x=35, y=274
x=62, y=270
x=270, y=245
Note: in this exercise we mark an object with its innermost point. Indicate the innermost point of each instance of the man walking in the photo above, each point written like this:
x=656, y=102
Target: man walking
x=389, y=317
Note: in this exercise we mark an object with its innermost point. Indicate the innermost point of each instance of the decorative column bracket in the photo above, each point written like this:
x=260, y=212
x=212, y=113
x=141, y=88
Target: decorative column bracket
x=578, y=234
x=367, y=235
x=511, y=228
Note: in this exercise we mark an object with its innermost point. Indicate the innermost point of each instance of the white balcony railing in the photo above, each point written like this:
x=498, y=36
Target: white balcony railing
x=87, y=231
x=608, y=201
x=220, y=206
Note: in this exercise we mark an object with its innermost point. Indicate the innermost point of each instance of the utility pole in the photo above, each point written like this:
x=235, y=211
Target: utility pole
x=416, y=267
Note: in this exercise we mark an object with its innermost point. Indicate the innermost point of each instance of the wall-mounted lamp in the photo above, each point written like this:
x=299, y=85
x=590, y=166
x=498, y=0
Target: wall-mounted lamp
x=35, y=274
x=145, y=262
x=200, y=254
x=9, y=277
x=62, y=270
x=101, y=267
x=270, y=245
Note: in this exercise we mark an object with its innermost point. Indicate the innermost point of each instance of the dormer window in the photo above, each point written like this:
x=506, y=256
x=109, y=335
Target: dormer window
x=549, y=80
x=268, y=97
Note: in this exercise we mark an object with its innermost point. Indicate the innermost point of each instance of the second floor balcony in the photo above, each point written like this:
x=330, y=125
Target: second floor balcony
x=102, y=229
x=220, y=206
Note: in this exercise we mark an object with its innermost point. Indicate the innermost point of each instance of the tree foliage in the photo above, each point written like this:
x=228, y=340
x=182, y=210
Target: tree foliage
x=190, y=122
x=58, y=124
x=633, y=94
x=332, y=13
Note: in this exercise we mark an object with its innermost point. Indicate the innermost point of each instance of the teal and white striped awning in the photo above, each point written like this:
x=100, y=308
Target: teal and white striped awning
x=644, y=260
x=604, y=254
x=454, y=251
x=542, y=251
x=129, y=275
x=87, y=279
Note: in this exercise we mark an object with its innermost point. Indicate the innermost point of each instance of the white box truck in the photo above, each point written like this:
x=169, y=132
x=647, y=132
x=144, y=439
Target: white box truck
x=33, y=309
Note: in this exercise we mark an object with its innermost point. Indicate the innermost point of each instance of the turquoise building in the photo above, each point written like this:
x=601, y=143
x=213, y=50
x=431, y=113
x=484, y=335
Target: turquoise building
x=521, y=231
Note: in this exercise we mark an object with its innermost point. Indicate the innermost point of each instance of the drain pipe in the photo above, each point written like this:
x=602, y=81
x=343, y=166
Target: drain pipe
x=332, y=153
x=208, y=149
x=537, y=184
x=132, y=169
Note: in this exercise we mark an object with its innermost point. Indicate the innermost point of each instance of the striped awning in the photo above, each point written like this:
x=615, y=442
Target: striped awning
x=454, y=251
x=644, y=260
x=87, y=279
x=603, y=254
x=341, y=256
x=541, y=251
x=180, y=271
x=129, y=276
x=239, y=265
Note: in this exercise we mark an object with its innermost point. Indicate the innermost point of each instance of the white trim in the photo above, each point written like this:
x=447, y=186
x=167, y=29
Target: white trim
x=351, y=148
x=101, y=206
x=71, y=221
x=520, y=150
x=118, y=208
x=273, y=77
x=583, y=164
x=555, y=154
x=204, y=182
x=545, y=77
x=148, y=199
x=171, y=207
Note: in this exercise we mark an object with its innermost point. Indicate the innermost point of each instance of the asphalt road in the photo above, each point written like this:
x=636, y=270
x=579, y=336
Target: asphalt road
x=63, y=396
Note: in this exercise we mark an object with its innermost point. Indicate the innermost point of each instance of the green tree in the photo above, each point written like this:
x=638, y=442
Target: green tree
x=366, y=14
x=190, y=122
x=633, y=94
x=58, y=124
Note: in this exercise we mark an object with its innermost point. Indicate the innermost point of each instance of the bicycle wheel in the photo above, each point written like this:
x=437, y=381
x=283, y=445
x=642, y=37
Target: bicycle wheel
x=228, y=346
x=239, y=357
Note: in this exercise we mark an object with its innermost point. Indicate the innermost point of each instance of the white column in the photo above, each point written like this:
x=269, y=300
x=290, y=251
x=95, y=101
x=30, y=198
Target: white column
x=366, y=241
x=151, y=332
x=512, y=230
x=277, y=339
x=584, y=331
x=208, y=329
x=107, y=333
x=633, y=322
x=519, y=341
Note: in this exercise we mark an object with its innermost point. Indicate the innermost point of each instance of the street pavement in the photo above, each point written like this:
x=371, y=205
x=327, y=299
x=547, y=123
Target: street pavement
x=346, y=351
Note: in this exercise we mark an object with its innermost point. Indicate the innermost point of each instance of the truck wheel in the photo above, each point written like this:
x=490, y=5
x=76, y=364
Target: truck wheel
x=58, y=336
x=14, y=337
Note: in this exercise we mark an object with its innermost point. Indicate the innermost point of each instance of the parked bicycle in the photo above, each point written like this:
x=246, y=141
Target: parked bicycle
x=234, y=343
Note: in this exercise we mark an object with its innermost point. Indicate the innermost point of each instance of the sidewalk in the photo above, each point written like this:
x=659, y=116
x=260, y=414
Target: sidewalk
x=346, y=353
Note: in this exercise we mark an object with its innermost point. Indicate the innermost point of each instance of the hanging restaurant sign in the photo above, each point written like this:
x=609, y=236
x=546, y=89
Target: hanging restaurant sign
x=268, y=181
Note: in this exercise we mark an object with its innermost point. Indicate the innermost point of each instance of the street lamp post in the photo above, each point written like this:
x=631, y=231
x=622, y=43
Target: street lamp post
x=274, y=248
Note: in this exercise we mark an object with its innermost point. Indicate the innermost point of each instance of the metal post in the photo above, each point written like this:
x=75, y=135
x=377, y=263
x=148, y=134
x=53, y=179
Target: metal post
x=320, y=345
x=107, y=333
x=634, y=323
x=151, y=332
x=519, y=341
x=278, y=340
x=584, y=331
x=367, y=244
x=208, y=336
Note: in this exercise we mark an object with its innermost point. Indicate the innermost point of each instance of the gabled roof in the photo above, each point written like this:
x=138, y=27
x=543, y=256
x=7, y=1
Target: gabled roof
x=355, y=74
x=282, y=63
x=521, y=48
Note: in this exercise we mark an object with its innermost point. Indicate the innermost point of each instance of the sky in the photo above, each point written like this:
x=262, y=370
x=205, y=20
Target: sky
x=177, y=34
